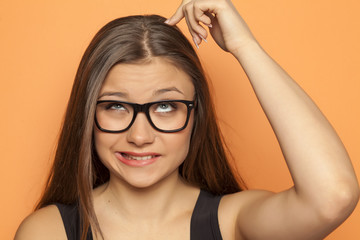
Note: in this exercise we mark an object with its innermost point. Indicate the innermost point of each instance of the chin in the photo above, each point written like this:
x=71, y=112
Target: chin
x=141, y=184
x=146, y=182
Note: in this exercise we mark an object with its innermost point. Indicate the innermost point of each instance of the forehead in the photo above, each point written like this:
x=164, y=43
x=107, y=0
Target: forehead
x=143, y=81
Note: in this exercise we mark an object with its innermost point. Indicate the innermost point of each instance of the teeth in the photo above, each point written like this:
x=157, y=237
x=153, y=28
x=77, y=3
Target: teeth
x=137, y=158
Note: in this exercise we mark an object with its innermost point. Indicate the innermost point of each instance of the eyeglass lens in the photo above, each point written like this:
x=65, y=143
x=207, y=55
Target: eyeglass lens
x=117, y=116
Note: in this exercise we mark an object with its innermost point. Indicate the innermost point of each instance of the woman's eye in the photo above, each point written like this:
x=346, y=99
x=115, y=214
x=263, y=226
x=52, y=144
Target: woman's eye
x=165, y=107
x=115, y=106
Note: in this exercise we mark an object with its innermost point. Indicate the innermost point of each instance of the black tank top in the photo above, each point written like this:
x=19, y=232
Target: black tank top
x=204, y=220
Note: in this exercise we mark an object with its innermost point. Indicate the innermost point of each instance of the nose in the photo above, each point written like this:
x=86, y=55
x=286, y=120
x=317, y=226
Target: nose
x=141, y=132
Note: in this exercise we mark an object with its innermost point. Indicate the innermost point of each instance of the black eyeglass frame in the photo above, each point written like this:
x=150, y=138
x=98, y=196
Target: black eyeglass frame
x=145, y=109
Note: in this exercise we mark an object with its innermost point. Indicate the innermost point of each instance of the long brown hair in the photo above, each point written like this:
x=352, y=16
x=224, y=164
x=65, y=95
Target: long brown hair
x=77, y=169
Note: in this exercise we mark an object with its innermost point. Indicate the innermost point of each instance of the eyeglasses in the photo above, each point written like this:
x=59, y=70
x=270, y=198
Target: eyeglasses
x=165, y=116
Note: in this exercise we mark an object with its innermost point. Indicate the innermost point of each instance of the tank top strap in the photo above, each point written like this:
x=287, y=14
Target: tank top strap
x=204, y=220
x=71, y=220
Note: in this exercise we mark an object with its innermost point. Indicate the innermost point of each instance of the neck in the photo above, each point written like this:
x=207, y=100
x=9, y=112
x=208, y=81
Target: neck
x=156, y=202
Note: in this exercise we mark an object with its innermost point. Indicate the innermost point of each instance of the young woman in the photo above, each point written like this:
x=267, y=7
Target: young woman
x=140, y=155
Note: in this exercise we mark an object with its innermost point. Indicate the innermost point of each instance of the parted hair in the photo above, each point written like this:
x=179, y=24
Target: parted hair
x=77, y=168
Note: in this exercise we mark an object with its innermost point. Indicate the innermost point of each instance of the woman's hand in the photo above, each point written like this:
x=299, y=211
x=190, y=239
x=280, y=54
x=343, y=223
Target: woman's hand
x=225, y=24
x=325, y=189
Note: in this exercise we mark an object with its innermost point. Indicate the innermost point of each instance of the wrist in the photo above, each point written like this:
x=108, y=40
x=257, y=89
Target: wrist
x=246, y=48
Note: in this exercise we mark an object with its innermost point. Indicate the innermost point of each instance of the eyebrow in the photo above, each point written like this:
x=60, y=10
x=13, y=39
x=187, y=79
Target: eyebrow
x=155, y=93
x=164, y=90
x=118, y=94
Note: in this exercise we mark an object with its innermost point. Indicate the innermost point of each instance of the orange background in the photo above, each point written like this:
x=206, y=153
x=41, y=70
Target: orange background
x=42, y=42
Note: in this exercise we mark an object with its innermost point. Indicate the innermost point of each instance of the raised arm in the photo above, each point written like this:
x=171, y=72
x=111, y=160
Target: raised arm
x=325, y=189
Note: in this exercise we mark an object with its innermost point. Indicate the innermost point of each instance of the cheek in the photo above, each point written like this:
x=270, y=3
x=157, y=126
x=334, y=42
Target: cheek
x=178, y=143
x=175, y=144
x=104, y=142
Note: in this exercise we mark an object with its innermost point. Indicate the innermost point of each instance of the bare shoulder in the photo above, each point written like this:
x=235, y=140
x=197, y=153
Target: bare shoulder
x=233, y=204
x=45, y=223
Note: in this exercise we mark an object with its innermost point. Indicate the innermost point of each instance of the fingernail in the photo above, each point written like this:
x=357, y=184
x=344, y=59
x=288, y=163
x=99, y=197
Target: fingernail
x=197, y=46
x=203, y=38
x=210, y=25
x=167, y=21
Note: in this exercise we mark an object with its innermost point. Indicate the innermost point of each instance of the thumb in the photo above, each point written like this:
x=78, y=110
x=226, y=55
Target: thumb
x=174, y=19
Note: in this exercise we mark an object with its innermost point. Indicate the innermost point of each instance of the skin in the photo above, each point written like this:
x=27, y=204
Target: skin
x=325, y=189
x=142, y=83
x=148, y=196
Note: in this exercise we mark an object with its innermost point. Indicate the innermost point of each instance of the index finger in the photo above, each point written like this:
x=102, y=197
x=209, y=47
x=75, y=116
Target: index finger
x=178, y=15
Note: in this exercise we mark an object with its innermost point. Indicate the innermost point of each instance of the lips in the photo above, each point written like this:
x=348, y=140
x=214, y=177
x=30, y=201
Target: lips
x=137, y=159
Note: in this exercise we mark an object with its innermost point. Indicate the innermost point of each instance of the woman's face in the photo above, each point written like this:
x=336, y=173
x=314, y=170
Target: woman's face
x=143, y=156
